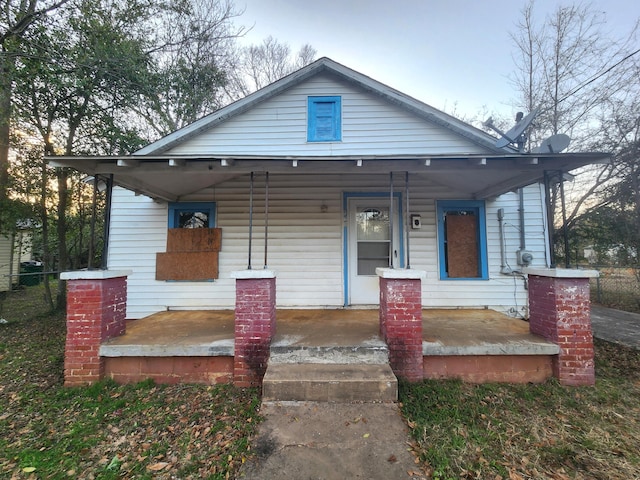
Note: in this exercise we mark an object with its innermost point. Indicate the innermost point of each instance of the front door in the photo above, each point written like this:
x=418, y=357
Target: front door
x=369, y=246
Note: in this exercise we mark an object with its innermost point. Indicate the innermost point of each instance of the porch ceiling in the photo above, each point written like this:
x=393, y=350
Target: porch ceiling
x=171, y=178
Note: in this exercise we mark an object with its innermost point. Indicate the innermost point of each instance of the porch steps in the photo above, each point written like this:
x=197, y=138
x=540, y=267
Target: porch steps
x=329, y=382
x=339, y=372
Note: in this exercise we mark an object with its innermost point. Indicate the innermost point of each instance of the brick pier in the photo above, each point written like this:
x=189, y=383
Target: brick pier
x=560, y=311
x=255, y=325
x=96, y=310
x=401, y=320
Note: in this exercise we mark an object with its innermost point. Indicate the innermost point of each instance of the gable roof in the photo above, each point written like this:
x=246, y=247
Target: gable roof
x=326, y=65
x=161, y=172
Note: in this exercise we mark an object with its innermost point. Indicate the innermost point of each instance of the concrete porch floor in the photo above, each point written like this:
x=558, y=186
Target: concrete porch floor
x=211, y=333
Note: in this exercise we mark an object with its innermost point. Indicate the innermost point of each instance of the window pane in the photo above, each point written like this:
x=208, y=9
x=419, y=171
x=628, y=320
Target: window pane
x=193, y=219
x=372, y=255
x=373, y=224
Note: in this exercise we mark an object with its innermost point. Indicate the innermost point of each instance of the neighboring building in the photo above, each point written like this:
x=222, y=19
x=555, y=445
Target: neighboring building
x=14, y=249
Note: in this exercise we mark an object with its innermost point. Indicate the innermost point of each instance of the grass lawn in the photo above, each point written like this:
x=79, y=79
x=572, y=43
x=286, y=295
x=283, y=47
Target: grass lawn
x=107, y=431
x=531, y=431
x=190, y=431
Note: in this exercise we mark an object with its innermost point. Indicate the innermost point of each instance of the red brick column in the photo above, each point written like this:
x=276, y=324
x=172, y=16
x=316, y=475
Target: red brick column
x=96, y=311
x=560, y=311
x=255, y=325
x=401, y=320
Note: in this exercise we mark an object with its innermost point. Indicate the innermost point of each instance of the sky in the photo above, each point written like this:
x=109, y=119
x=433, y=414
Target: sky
x=455, y=55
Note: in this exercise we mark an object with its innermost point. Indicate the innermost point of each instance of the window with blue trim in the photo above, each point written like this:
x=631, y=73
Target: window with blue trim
x=324, y=119
x=462, y=240
x=192, y=215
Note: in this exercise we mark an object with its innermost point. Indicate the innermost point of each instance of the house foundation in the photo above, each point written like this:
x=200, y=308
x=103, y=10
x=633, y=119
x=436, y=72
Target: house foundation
x=401, y=320
x=560, y=311
x=96, y=310
x=255, y=325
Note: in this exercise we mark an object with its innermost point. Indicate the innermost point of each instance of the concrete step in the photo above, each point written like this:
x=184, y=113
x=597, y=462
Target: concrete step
x=315, y=382
x=373, y=353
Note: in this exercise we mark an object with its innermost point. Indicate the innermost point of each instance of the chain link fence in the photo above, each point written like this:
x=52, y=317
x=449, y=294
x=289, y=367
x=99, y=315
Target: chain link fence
x=617, y=287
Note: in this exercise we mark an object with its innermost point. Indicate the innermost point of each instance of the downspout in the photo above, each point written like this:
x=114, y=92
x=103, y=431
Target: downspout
x=523, y=241
x=504, y=269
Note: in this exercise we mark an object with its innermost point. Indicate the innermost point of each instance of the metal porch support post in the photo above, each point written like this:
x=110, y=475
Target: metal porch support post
x=250, y=218
x=407, y=218
x=92, y=234
x=266, y=217
x=567, y=257
x=547, y=189
x=107, y=222
x=390, y=219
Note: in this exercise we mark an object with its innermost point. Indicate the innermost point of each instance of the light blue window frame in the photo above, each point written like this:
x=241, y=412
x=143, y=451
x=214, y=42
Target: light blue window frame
x=478, y=207
x=324, y=119
x=176, y=208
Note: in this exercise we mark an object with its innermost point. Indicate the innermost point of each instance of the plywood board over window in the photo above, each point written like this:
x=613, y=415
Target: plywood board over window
x=192, y=255
x=462, y=246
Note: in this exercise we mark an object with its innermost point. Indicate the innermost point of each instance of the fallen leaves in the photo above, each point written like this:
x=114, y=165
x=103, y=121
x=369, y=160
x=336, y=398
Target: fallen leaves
x=156, y=467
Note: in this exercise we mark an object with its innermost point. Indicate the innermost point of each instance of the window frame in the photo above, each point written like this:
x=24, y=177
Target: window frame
x=175, y=208
x=312, y=118
x=481, y=236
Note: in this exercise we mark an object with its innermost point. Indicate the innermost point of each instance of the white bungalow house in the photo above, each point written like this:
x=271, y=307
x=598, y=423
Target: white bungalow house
x=324, y=177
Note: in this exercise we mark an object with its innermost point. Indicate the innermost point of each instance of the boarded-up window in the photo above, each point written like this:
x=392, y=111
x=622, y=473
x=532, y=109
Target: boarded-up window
x=192, y=245
x=462, y=244
x=192, y=254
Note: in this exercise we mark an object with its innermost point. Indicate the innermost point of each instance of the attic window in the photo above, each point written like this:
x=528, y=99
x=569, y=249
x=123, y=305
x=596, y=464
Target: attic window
x=324, y=119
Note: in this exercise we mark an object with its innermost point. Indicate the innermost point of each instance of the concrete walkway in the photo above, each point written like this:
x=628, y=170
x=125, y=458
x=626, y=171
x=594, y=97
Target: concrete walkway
x=331, y=441
x=616, y=326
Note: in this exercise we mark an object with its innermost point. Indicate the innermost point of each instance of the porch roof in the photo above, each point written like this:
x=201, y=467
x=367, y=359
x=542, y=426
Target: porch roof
x=174, y=177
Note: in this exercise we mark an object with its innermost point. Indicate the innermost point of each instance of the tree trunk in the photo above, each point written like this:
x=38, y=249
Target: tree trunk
x=61, y=229
x=6, y=66
x=46, y=253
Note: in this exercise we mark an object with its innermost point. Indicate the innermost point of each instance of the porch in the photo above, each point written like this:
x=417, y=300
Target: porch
x=476, y=345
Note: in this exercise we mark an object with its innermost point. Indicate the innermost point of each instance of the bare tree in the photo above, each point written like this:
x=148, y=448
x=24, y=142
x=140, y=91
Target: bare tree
x=193, y=53
x=262, y=64
x=569, y=67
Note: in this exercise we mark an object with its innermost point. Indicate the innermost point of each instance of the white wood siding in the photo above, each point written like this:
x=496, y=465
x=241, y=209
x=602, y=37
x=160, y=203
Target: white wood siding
x=6, y=244
x=306, y=244
x=370, y=126
x=10, y=260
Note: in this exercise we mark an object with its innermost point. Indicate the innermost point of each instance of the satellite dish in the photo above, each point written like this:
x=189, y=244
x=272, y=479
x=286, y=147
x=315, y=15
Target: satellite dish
x=553, y=144
x=514, y=134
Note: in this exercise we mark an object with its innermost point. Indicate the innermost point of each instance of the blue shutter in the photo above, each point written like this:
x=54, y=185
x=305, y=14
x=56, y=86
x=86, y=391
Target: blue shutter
x=324, y=116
